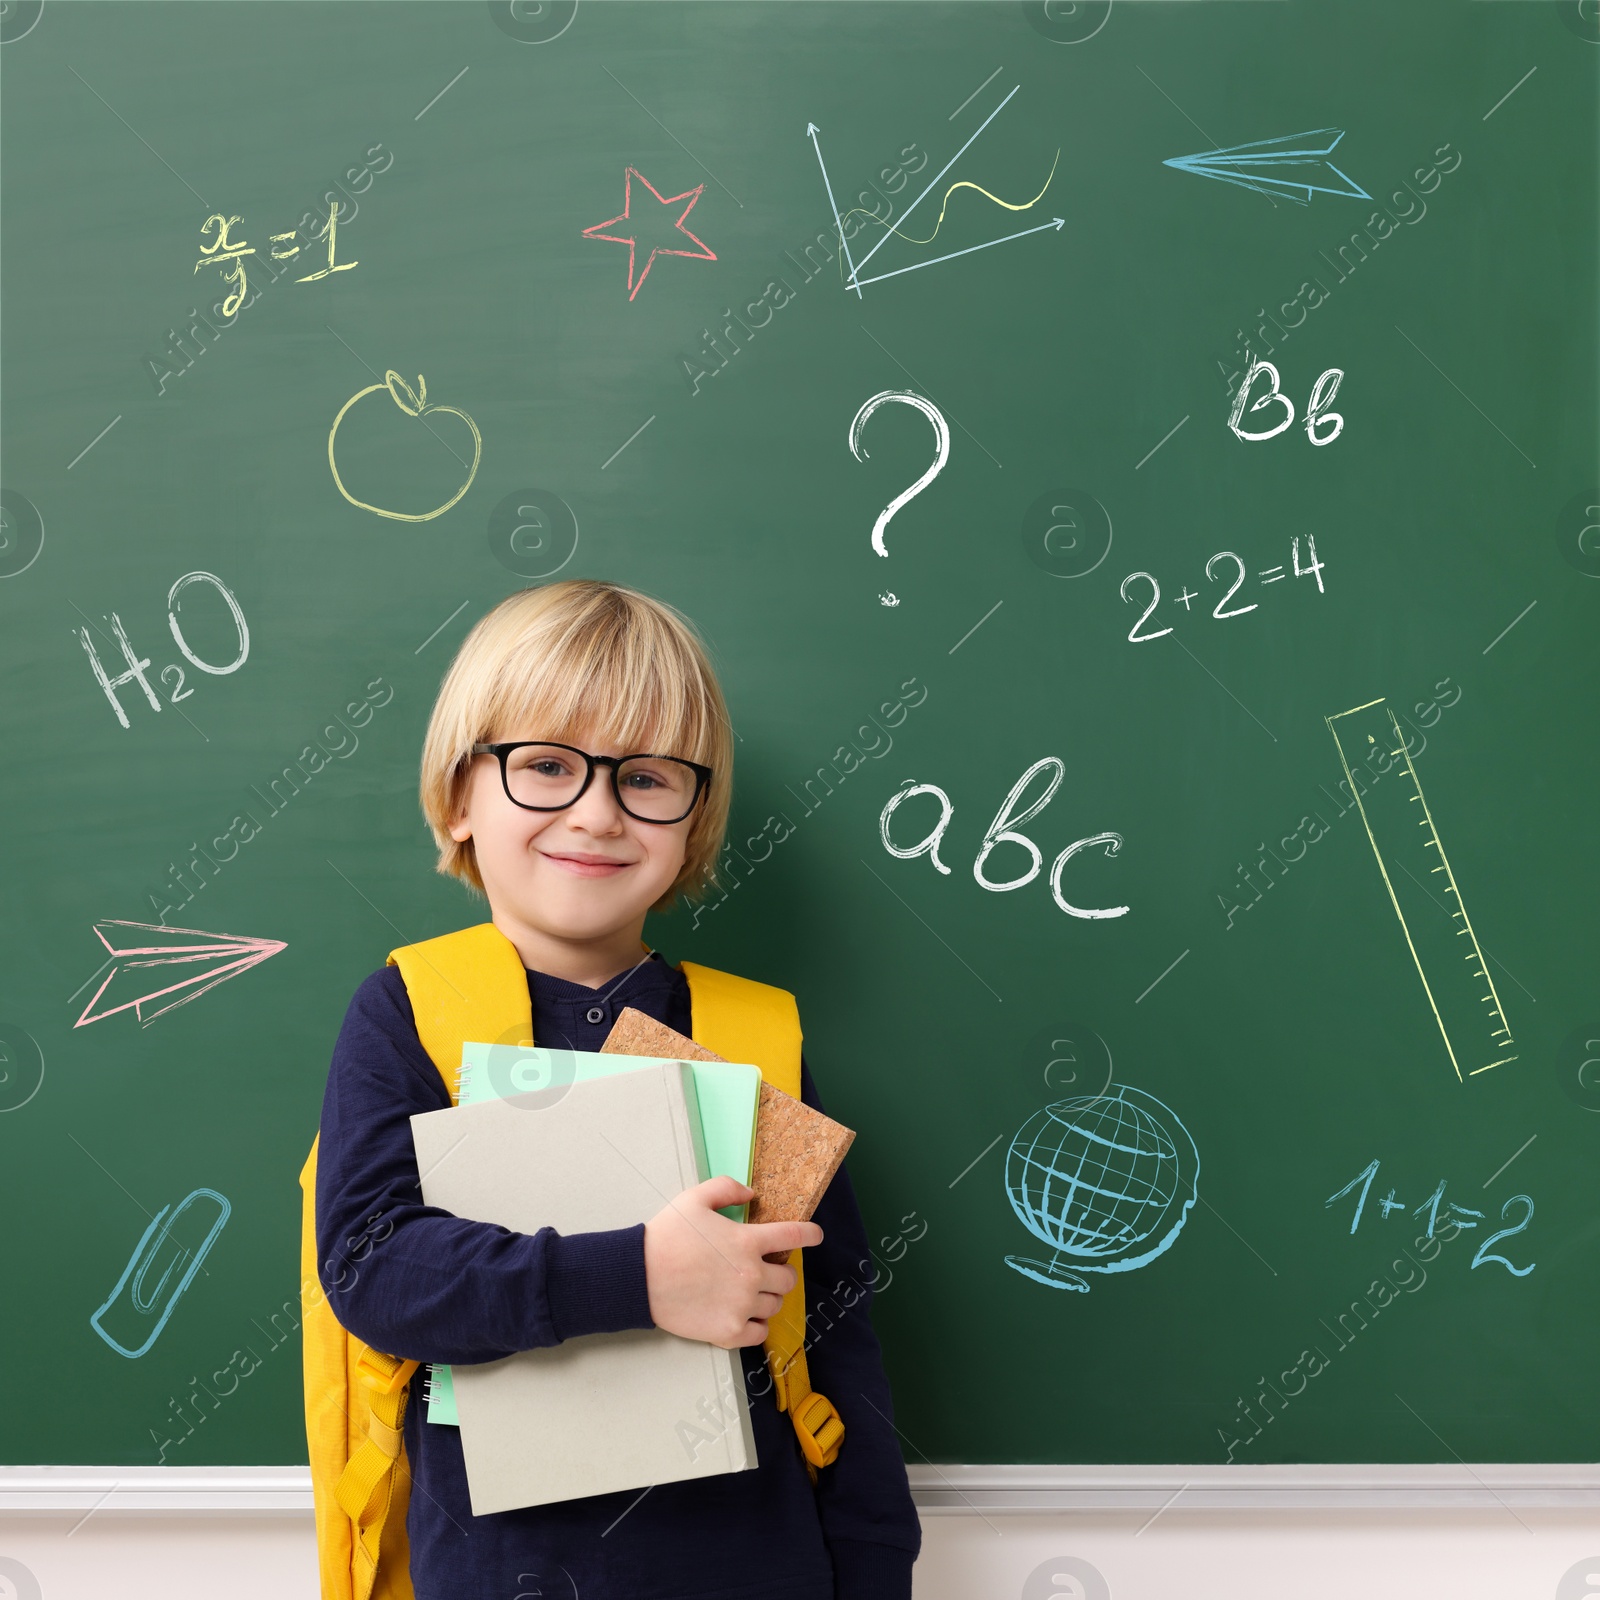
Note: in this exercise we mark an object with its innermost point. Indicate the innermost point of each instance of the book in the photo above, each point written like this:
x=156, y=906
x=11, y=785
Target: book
x=728, y=1092
x=600, y=1412
x=798, y=1149
x=728, y=1095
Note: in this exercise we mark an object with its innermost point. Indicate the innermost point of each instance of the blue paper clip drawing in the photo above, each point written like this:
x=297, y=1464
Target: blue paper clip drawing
x=146, y=1300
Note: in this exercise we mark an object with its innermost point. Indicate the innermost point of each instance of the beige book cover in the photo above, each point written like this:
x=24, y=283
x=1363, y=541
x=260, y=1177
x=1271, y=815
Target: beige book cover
x=604, y=1411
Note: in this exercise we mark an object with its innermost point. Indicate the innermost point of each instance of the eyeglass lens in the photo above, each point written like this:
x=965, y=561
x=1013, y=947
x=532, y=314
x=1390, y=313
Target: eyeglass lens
x=652, y=788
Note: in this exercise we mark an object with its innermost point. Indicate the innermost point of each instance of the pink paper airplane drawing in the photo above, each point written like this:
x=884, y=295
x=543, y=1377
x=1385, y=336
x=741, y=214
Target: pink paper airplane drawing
x=167, y=966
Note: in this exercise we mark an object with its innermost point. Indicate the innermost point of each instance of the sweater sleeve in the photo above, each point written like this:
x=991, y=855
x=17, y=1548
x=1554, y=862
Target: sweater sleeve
x=864, y=1499
x=419, y=1282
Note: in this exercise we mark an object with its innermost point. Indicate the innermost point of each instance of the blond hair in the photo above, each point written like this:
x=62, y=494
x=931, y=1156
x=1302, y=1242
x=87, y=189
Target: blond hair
x=571, y=656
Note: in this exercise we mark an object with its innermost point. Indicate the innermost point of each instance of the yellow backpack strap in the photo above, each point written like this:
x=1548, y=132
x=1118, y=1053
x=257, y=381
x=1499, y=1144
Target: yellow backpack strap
x=746, y=1021
x=328, y=1420
x=355, y=1402
x=369, y=1488
x=466, y=985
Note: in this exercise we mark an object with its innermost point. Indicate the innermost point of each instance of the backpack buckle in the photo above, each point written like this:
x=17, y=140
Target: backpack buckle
x=384, y=1374
x=819, y=1427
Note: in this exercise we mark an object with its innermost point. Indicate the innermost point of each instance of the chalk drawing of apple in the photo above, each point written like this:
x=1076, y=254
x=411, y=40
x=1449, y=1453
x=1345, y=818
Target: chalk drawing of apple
x=414, y=403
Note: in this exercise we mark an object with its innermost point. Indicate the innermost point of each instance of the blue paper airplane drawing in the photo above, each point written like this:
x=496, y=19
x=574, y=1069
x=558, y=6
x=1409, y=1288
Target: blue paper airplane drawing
x=1294, y=166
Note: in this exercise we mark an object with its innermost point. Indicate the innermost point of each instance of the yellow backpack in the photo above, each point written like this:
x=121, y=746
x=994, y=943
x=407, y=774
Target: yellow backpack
x=472, y=985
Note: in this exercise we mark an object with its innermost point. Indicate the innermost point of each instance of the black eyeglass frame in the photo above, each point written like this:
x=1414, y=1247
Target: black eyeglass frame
x=702, y=776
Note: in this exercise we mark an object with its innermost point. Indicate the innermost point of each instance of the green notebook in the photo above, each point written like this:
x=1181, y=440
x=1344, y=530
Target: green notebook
x=729, y=1093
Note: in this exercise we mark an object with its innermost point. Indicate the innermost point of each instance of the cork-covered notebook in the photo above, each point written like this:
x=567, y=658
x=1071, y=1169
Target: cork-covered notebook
x=798, y=1150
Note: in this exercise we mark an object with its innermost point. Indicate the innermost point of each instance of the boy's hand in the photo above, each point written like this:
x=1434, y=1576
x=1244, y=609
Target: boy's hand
x=706, y=1276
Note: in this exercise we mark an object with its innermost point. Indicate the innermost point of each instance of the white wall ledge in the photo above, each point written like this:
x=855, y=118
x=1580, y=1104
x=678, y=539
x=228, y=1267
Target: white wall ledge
x=147, y=1491
x=969, y=1490
x=954, y=1490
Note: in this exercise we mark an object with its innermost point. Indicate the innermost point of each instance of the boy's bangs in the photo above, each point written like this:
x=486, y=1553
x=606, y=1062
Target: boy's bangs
x=598, y=687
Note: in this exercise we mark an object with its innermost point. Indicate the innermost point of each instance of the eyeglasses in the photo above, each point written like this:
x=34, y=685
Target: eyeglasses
x=540, y=776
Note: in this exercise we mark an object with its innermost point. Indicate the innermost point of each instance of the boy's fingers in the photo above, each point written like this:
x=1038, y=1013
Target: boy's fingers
x=753, y=1332
x=722, y=1191
x=775, y=1236
x=778, y=1280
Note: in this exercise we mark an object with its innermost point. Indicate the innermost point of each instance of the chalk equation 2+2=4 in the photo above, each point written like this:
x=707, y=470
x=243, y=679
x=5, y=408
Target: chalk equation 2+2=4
x=1217, y=572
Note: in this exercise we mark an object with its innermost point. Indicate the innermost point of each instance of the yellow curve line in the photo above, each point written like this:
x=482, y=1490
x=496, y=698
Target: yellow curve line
x=962, y=184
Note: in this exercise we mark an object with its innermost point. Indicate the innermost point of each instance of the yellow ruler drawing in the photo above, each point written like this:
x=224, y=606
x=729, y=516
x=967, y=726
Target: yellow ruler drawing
x=1423, y=890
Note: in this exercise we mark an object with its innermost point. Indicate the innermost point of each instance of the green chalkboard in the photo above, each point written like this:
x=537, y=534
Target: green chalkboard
x=1243, y=993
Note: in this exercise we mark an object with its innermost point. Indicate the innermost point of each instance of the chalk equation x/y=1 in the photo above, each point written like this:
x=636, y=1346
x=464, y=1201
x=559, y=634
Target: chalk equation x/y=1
x=1423, y=890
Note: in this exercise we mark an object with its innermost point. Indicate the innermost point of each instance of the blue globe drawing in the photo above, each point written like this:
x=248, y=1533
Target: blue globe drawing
x=1106, y=1180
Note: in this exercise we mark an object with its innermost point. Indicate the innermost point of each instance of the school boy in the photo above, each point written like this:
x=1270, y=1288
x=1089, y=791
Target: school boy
x=532, y=800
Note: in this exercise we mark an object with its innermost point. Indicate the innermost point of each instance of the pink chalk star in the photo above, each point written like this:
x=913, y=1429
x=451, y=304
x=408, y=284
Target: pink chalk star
x=691, y=195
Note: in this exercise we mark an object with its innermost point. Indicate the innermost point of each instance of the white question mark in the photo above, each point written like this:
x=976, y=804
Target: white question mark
x=941, y=432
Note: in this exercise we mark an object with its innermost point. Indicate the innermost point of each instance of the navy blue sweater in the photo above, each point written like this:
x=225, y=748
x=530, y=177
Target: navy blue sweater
x=420, y=1283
